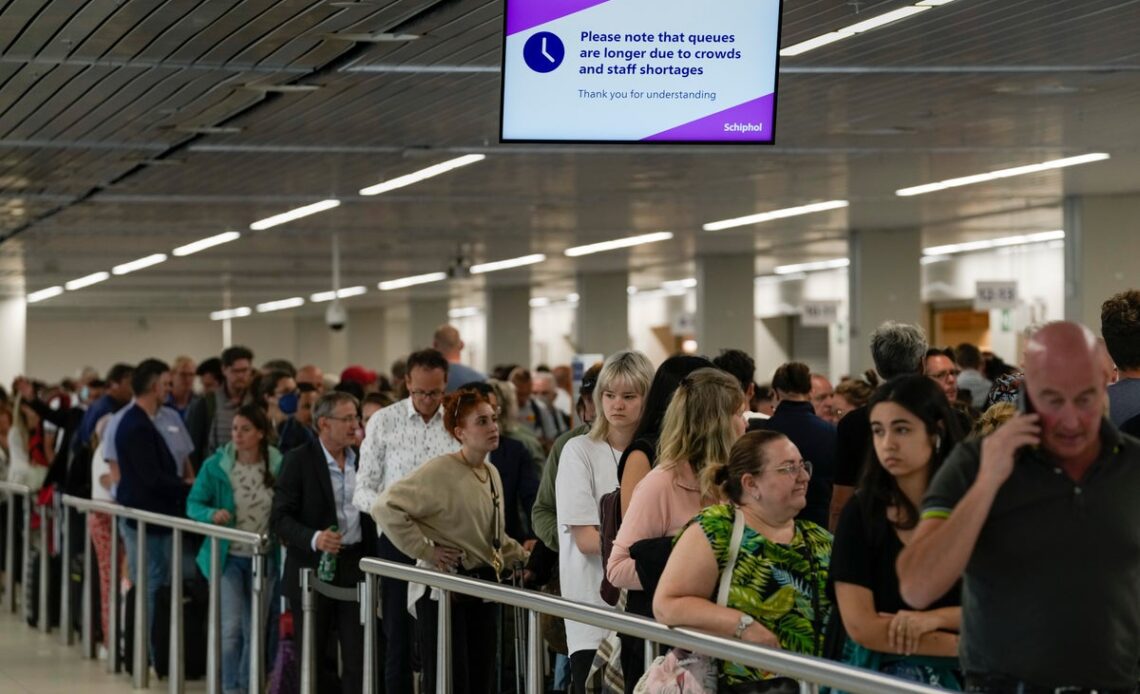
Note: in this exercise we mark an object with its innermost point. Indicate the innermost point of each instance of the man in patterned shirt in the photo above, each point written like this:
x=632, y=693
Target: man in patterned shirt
x=398, y=440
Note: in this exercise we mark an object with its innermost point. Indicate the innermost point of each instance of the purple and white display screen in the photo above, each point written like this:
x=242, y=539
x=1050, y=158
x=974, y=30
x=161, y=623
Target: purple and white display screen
x=640, y=71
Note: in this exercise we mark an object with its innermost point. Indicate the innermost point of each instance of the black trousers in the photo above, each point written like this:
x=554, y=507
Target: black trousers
x=580, y=662
x=397, y=624
x=342, y=619
x=472, y=644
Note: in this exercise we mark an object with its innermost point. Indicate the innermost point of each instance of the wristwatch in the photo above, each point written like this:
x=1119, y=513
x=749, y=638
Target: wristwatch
x=745, y=622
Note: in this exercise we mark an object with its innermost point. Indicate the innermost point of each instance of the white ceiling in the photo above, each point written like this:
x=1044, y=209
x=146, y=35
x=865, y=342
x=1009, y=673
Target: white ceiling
x=97, y=169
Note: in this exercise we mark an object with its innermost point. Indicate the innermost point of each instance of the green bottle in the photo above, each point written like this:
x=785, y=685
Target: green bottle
x=326, y=569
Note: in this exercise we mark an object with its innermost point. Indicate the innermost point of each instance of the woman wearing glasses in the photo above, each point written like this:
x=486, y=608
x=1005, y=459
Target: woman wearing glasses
x=913, y=428
x=776, y=566
x=449, y=514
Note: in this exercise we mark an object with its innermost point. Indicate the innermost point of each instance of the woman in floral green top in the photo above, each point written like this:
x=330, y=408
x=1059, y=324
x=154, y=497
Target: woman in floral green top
x=777, y=595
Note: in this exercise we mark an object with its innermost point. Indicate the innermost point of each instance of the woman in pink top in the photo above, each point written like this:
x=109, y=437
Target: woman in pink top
x=703, y=420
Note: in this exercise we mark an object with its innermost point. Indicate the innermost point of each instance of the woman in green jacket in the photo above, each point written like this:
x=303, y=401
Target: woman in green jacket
x=235, y=488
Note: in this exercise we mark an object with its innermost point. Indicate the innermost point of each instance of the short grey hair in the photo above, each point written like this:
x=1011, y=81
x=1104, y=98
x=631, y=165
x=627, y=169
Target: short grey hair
x=329, y=402
x=898, y=349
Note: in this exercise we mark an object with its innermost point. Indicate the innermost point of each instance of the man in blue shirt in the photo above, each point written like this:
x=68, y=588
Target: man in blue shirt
x=447, y=342
x=149, y=478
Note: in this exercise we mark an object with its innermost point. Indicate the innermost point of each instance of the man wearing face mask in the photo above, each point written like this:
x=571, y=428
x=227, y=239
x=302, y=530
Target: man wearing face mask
x=279, y=396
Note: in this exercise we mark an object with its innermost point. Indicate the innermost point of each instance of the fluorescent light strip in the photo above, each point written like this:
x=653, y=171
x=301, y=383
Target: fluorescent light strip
x=139, y=264
x=422, y=174
x=43, y=294
x=862, y=27
x=539, y=302
x=239, y=312
x=507, y=264
x=776, y=214
x=465, y=312
x=1019, y=240
x=86, y=281
x=205, y=243
x=341, y=294
x=280, y=305
x=292, y=215
x=618, y=243
x=412, y=281
x=687, y=283
x=813, y=266
x=1001, y=173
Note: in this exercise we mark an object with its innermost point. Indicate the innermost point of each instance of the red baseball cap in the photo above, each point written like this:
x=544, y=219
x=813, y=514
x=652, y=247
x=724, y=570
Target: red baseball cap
x=358, y=374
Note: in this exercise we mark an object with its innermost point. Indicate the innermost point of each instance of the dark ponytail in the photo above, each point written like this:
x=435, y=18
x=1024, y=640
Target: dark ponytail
x=260, y=421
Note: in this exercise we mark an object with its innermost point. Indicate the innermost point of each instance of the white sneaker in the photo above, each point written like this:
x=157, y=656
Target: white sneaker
x=103, y=652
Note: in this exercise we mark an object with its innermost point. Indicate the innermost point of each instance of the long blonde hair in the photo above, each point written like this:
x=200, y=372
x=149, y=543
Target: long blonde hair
x=697, y=428
x=635, y=369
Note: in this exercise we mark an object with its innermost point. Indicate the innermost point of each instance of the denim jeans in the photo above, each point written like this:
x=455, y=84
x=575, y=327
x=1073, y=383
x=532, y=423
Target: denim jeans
x=237, y=594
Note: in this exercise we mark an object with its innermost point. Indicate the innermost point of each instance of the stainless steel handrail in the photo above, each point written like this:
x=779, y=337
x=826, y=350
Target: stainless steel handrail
x=806, y=668
x=179, y=525
x=25, y=491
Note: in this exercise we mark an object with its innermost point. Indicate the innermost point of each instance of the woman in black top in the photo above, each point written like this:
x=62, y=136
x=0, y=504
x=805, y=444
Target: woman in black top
x=912, y=430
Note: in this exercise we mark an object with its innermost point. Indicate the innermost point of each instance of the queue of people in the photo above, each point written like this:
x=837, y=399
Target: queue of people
x=933, y=520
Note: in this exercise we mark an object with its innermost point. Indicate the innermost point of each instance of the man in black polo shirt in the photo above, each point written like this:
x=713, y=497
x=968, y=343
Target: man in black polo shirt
x=1042, y=521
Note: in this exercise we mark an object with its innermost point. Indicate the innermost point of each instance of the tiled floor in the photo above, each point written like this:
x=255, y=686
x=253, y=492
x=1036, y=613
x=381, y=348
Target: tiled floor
x=32, y=662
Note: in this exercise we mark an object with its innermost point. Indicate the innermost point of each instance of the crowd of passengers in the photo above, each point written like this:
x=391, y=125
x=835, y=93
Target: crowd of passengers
x=946, y=518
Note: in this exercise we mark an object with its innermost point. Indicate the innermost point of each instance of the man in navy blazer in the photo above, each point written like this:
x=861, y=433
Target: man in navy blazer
x=313, y=514
x=149, y=478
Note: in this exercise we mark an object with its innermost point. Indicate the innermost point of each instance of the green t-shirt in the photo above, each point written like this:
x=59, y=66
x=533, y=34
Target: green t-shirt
x=544, y=514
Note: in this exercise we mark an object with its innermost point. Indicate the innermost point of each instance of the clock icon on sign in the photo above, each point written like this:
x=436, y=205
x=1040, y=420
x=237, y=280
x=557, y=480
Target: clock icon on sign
x=543, y=52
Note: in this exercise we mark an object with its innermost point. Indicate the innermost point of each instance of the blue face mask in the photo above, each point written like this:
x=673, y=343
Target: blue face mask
x=84, y=394
x=288, y=403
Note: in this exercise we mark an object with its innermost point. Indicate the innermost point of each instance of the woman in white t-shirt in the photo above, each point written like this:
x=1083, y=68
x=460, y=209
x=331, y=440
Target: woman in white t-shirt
x=587, y=470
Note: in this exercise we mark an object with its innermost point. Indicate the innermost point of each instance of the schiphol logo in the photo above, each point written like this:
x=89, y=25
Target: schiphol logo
x=544, y=52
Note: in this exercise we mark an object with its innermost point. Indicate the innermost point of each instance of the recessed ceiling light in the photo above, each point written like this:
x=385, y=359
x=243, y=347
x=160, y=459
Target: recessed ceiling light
x=43, y=294
x=280, y=305
x=628, y=242
x=423, y=174
x=812, y=266
x=862, y=27
x=1018, y=240
x=403, y=282
x=341, y=294
x=507, y=264
x=775, y=214
x=239, y=312
x=1001, y=173
x=210, y=242
x=292, y=215
x=86, y=281
x=139, y=264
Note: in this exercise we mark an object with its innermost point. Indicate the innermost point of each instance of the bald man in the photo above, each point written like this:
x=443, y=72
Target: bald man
x=1040, y=522
x=311, y=375
x=447, y=341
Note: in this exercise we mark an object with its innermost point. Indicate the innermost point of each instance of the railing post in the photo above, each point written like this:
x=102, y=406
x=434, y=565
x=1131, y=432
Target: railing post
x=534, y=653
x=368, y=618
x=257, y=625
x=308, y=632
x=65, y=631
x=88, y=603
x=26, y=559
x=140, y=678
x=113, y=601
x=649, y=654
x=443, y=645
x=45, y=571
x=177, y=670
x=10, y=555
x=214, y=623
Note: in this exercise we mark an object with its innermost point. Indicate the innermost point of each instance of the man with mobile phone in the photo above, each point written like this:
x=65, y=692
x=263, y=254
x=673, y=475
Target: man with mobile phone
x=1040, y=521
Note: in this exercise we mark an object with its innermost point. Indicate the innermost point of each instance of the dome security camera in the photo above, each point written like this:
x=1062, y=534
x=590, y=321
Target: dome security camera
x=335, y=316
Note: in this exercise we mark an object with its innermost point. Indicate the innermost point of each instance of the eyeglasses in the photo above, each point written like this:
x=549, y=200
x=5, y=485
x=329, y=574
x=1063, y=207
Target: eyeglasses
x=427, y=394
x=794, y=468
x=467, y=395
x=347, y=418
x=943, y=375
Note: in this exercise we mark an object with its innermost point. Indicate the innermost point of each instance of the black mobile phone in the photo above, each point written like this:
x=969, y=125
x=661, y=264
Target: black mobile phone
x=1024, y=404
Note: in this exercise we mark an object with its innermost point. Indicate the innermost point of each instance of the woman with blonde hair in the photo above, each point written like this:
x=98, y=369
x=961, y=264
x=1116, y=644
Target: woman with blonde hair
x=587, y=470
x=704, y=418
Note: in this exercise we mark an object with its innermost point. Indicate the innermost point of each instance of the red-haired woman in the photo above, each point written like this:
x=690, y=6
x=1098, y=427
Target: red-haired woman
x=449, y=514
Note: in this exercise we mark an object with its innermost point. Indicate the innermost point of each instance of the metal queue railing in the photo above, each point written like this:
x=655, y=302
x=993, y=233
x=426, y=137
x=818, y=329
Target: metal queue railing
x=140, y=669
x=814, y=671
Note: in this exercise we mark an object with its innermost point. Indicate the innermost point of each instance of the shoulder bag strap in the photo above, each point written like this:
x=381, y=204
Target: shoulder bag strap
x=733, y=553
